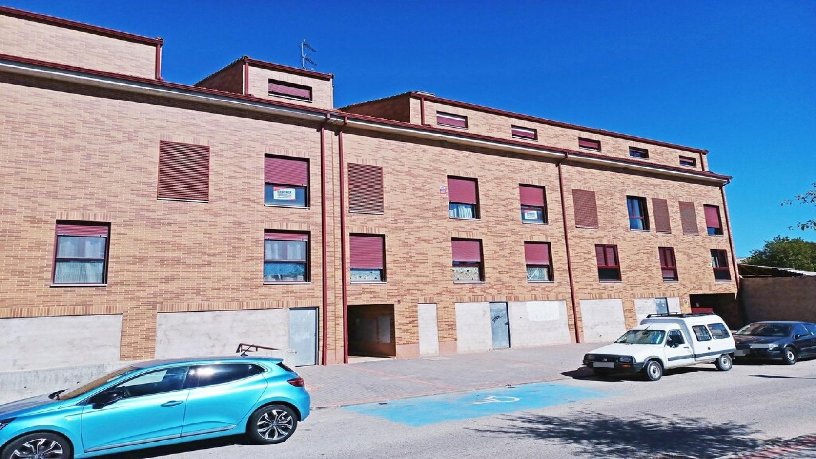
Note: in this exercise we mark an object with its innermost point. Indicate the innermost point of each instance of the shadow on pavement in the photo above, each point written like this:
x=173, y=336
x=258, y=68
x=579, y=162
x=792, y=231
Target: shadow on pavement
x=178, y=449
x=641, y=435
x=780, y=377
x=585, y=373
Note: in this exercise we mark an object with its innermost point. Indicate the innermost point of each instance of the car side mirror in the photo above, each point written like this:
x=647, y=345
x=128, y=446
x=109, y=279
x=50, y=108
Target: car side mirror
x=106, y=398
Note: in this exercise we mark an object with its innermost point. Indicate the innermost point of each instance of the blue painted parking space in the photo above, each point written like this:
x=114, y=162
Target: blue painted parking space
x=434, y=409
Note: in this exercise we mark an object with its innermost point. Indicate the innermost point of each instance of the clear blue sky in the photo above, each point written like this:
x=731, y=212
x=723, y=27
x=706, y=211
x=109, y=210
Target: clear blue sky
x=736, y=78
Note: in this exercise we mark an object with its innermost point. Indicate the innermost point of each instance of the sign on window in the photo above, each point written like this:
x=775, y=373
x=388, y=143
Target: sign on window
x=283, y=194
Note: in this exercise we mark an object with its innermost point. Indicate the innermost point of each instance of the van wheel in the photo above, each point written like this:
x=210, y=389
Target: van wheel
x=790, y=356
x=723, y=362
x=653, y=370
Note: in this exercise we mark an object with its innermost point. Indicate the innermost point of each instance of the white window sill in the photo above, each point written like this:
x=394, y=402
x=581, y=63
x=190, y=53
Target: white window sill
x=79, y=285
x=288, y=283
x=466, y=219
x=634, y=230
x=535, y=223
x=368, y=282
x=469, y=282
x=286, y=207
x=540, y=282
x=611, y=281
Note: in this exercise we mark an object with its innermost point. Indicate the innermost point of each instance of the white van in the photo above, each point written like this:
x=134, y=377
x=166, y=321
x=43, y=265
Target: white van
x=665, y=341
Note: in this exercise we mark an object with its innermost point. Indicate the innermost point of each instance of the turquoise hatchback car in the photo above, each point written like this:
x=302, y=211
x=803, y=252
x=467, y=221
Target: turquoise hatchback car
x=158, y=403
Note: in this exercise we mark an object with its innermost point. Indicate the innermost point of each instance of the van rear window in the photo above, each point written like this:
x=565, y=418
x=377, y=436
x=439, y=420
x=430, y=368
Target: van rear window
x=701, y=333
x=719, y=331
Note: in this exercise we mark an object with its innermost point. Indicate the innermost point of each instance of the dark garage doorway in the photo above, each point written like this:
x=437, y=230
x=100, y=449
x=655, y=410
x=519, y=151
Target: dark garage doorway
x=722, y=304
x=371, y=331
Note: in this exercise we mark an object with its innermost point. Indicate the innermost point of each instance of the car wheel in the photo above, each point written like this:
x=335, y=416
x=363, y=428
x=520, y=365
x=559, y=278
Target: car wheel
x=653, y=370
x=723, y=362
x=272, y=424
x=40, y=445
x=789, y=356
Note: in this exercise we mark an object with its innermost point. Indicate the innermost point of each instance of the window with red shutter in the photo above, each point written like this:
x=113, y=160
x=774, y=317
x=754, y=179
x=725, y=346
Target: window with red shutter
x=286, y=181
x=608, y=264
x=589, y=144
x=467, y=260
x=688, y=217
x=449, y=119
x=585, y=209
x=660, y=208
x=537, y=257
x=290, y=90
x=367, y=257
x=81, y=254
x=533, y=204
x=668, y=264
x=463, y=197
x=365, y=185
x=713, y=222
x=286, y=256
x=719, y=263
x=519, y=132
x=184, y=171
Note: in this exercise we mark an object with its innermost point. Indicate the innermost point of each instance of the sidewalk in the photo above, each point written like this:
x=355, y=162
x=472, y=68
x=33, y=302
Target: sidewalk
x=376, y=381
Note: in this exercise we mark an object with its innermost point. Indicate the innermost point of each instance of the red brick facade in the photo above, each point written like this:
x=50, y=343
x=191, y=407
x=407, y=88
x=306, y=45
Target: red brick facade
x=84, y=146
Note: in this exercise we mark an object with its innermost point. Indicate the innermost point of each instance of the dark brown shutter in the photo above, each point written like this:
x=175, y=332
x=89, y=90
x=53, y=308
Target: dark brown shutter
x=467, y=250
x=586, y=211
x=365, y=185
x=712, y=216
x=660, y=208
x=184, y=171
x=67, y=229
x=688, y=217
x=366, y=251
x=286, y=171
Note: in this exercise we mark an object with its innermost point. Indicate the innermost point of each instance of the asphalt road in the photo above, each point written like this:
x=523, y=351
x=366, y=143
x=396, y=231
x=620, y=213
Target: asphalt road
x=753, y=410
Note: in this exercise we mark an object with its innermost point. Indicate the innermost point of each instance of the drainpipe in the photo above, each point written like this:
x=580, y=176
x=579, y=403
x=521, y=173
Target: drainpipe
x=422, y=109
x=730, y=234
x=246, y=76
x=158, y=60
x=573, y=300
x=324, y=239
x=343, y=269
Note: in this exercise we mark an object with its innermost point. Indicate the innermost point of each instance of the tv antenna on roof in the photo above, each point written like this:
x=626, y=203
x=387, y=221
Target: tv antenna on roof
x=304, y=59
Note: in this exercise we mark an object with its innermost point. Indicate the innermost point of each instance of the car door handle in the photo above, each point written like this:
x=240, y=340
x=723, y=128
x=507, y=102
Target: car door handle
x=172, y=403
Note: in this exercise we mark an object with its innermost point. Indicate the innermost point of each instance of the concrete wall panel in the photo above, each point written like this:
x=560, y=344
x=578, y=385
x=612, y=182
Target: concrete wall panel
x=428, y=329
x=536, y=323
x=473, y=332
x=183, y=334
x=602, y=319
x=59, y=341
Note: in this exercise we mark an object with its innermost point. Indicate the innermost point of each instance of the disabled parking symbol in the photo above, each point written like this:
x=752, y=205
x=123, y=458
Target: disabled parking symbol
x=497, y=399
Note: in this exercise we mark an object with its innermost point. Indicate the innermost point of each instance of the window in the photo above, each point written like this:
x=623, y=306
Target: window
x=688, y=161
x=638, y=213
x=660, y=208
x=718, y=331
x=81, y=255
x=688, y=217
x=701, y=333
x=801, y=331
x=668, y=264
x=463, y=195
x=533, y=204
x=676, y=336
x=636, y=152
x=365, y=187
x=467, y=260
x=449, y=119
x=519, y=132
x=608, y=264
x=589, y=144
x=184, y=172
x=713, y=222
x=367, y=257
x=537, y=257
x=154, y=382
x=290, y=90
x=811, y=328
x=719, y=262
x=210, y=375
x=287, y=181
x=286, y=257
x=661, y=305
x=585, y=209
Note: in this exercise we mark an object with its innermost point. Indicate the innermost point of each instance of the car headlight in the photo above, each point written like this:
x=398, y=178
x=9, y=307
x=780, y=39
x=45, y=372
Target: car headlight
x=626, y=359
x=773, y=346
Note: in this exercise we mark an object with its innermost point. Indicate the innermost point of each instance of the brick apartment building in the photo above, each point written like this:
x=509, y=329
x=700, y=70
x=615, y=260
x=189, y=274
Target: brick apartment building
x=143, y=218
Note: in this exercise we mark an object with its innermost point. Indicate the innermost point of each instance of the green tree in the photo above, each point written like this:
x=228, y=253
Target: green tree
x=808, y=197
x=785, y=252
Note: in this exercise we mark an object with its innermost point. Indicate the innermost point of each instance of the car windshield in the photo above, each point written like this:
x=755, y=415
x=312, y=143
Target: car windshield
x=80, y=390
x=761, y=329
x=642, y=337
